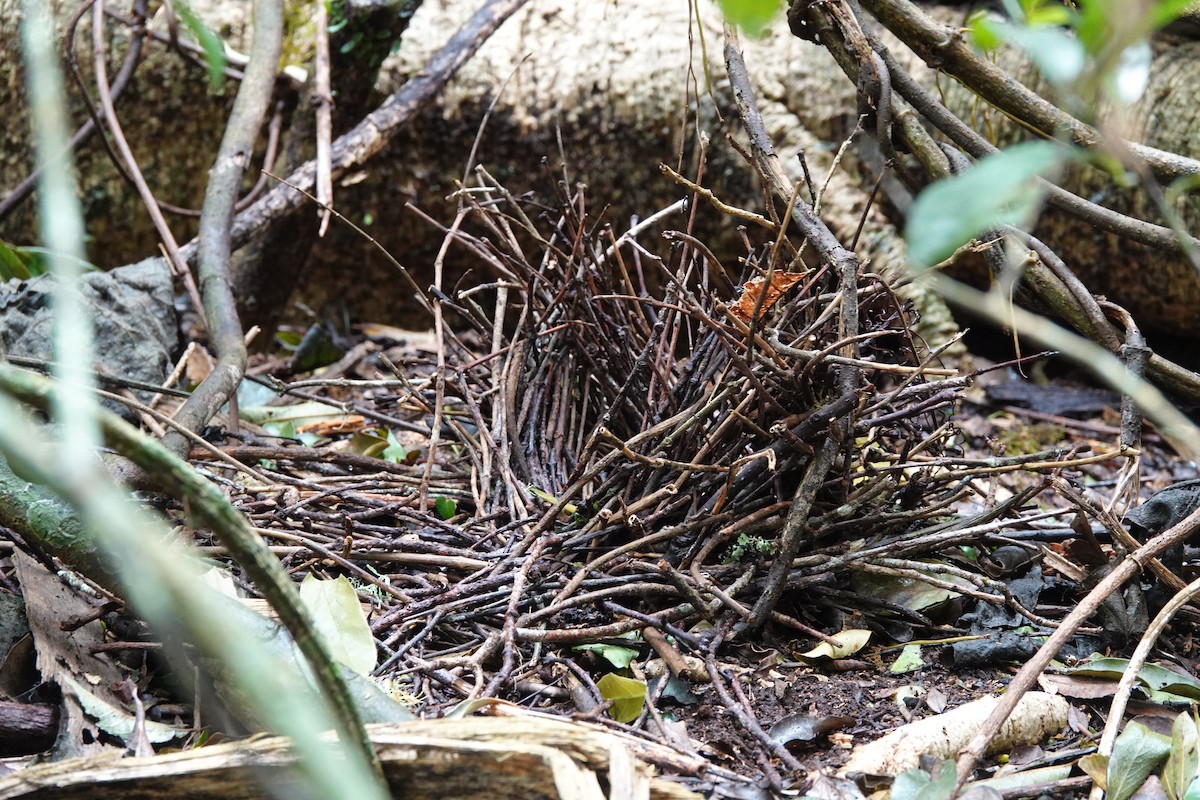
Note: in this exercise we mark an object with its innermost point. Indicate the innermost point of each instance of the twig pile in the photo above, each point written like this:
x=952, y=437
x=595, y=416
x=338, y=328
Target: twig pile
x=639, y=443
x=637, y=454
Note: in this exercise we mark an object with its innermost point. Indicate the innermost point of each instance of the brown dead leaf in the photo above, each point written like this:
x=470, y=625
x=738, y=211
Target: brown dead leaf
x=753, y=288
x=328, y=427
x=198, y=365
x=68, y=658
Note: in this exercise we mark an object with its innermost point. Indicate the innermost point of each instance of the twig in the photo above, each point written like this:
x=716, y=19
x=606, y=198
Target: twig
x=100, y=61
x=213, y=509
x=323, y=98
x=133, y=58
x=221, y=194
x=944, y=48
x=370, y=136
x=1024, y=680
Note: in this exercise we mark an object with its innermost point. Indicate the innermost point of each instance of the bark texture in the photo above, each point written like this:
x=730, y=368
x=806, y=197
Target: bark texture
x=172, y=120
x=621, y=86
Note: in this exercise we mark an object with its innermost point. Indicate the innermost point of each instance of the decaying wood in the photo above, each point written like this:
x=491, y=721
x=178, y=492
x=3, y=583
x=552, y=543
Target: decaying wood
x=27, y=727
x=1036, y=717
x=523, y=758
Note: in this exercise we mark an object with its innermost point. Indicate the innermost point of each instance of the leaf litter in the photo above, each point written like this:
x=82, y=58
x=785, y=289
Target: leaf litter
x=608, y=442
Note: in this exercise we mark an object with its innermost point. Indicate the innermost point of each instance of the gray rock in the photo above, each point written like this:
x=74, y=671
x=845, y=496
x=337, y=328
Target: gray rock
x=133, y=318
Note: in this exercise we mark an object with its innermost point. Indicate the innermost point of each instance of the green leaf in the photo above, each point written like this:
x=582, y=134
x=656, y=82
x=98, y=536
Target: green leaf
x=371, y=443
x=1193, y=791
x=1137, y=752
x=210, y=43
x=1164, y=12
x=916, y=784
x=1184, y=761
x=445, y=507
x=1091, y=24
x=339, y=620
x=1057, y=54
x=678, y=690
x=1047, y=12
x=620, y=657
x=286, y=429
x=1158, y=682
x=982, y=27
x=752, y=16
x=397, y=453
x=316, y=349
x=627, y=695
x=999, y=190
x=12, y=265
x=1095, y=766
x=903, y=591
x=23, y=263
x=289, y=340
x=909, y=660
x=368, y=443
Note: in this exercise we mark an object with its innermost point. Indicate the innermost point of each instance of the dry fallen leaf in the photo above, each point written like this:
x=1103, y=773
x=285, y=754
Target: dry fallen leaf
x=328, y=427
x=753, y=288
x=198, y=364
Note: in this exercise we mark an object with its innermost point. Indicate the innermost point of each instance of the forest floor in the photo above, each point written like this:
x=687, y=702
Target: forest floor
x=360, y=498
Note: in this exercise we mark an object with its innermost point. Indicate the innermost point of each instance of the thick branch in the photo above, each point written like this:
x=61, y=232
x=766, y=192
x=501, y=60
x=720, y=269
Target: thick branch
x=237, y=146
x=831, y=29
x=928, y=106
x=372, y=134
x=943, y=48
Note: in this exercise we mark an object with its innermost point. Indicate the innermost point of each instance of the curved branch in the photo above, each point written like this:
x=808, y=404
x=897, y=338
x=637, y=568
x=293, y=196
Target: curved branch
x=216, y=218
x=832, y=34
x=370, y=136
x=943, y=48
x=930, y=108
x=133, y=57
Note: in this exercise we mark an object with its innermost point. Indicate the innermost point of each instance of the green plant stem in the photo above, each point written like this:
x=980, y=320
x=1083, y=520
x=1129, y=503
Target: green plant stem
x=162, y=581
x=213, y=510
x=61, y=222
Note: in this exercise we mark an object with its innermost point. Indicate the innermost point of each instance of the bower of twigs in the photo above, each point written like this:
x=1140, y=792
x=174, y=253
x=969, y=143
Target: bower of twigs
x=637, y=437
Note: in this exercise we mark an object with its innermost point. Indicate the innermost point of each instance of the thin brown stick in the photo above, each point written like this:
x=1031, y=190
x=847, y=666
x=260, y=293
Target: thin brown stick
x=1024, y=680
